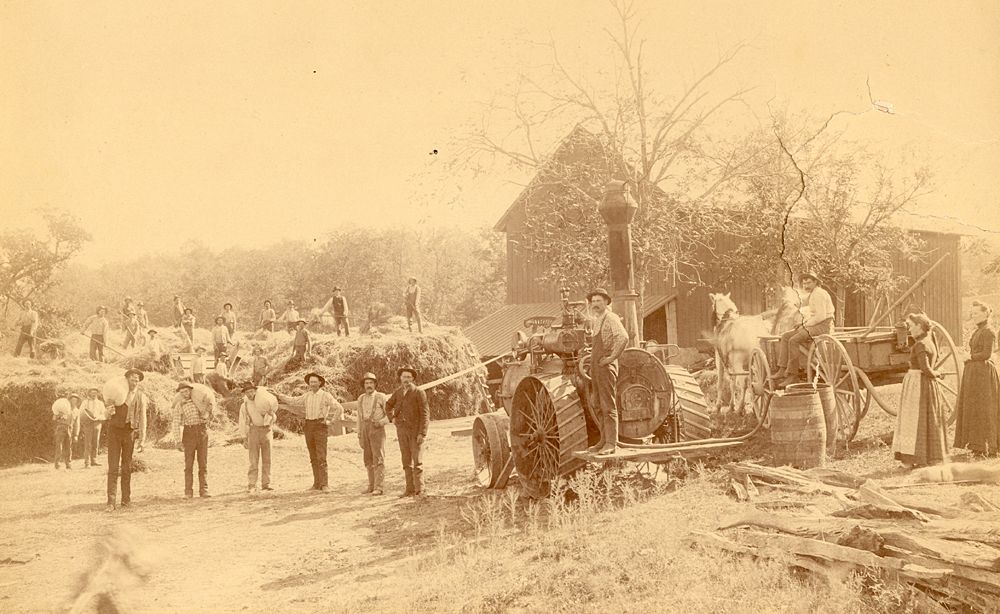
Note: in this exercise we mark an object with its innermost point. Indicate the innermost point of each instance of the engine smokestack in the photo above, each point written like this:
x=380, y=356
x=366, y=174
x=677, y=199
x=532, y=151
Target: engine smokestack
x=618, y=207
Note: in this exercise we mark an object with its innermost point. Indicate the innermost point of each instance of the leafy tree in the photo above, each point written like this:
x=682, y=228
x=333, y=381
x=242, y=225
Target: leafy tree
x=29, y=264
x=627, y=129
x=819, y=204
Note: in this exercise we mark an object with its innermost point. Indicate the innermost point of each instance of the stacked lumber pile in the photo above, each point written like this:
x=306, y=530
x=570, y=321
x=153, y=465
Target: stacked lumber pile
x=842, y=524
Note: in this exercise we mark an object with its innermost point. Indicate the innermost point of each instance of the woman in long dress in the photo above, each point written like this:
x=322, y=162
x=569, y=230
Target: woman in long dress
x=920, y=438
x=978, y=426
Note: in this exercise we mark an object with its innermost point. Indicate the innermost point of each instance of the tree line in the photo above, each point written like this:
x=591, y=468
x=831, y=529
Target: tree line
x=460, y=272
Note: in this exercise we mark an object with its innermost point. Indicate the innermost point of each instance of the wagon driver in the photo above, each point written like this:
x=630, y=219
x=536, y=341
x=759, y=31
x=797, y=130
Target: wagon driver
x=818, y=313
x=610, y=340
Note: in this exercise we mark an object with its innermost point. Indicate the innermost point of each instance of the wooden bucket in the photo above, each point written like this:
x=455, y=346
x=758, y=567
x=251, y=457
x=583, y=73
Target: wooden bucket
x=798, y=429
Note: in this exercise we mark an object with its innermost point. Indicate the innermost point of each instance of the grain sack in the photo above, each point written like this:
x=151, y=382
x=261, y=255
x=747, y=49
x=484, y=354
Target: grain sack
x=115, y=390
x=61, y=408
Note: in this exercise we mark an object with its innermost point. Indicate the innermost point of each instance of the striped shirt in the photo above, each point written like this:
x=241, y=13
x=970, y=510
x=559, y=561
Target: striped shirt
x=317, y=405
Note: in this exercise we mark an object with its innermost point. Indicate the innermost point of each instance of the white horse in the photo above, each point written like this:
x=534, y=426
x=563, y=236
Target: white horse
x=735, y=336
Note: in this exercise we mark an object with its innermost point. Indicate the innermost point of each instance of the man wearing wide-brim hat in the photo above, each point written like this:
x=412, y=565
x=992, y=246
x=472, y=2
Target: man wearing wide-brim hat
x=65, y=427
x=257, y=416
x=192, y=415
x=318, y=408
x=371, y=432
x=817, y=319
x=126, y=426
x=610, y=341
x=407, y=408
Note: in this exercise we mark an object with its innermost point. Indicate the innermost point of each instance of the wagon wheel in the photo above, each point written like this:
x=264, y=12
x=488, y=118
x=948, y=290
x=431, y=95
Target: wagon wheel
x=547, y=425
x=949, y=366
x=759, y=386
x=829, y=363
x=490, y=448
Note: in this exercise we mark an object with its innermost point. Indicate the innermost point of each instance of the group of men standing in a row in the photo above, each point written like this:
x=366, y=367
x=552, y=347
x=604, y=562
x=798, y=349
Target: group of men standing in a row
x=195, y=407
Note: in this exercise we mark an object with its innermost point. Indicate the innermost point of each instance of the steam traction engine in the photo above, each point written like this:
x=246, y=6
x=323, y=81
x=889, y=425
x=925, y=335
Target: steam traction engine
x=548, y=424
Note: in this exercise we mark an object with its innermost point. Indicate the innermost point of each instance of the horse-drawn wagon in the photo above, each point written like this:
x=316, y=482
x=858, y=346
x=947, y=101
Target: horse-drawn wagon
x=851, y=361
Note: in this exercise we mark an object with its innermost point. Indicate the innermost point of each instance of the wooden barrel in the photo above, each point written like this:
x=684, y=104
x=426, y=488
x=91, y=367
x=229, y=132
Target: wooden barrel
x=828, y=400
x=798, y=429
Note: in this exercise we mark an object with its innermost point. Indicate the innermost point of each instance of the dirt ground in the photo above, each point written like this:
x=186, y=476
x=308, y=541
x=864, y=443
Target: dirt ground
x=301, y=551
x=290, y=548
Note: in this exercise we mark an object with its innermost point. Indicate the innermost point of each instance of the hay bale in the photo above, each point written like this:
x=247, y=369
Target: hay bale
x=343, y=360
x=28, y=389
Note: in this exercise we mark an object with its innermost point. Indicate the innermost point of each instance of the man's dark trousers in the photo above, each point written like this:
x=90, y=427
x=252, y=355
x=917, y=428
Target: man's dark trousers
x=315, y=432
x=409, y=451
x=120, y=444
x=195, y=440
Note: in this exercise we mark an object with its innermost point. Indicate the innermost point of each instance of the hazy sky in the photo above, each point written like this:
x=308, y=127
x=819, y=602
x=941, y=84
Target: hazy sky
x=244, y=123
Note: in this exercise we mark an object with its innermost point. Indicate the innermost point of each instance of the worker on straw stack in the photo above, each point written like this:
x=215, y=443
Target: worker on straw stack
x=179, y=311
x=192, y=414
x=260, y=367
x=412, y=299
x=187, y=327
x=128, y=418
x=317, y=407
x=257, y=416
x=92, y=417
x=160, y=353
x=130, y=324
x=291, y=316
x=220, y=337
x=610, y=341
x=301, y=343
x=65, y=427
x=229, y=317
x=143, y=318
x=27, y=323
x=407, y=408
x=371, y=432
x=198, y=365
x=267, y=317
x=817, y=314
x=97, y=328
x=341, y=312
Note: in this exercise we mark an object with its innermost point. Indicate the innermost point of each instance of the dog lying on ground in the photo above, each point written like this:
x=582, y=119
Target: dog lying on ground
x=959, y=472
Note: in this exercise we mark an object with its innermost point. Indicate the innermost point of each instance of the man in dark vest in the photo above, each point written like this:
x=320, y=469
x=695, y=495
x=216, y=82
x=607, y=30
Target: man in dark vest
x=610, y=340
x=123, y=422
x=341, y=313
x=407, y=408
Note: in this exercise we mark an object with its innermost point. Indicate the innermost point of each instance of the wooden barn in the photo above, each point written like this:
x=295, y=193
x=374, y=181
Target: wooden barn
x=679, y=313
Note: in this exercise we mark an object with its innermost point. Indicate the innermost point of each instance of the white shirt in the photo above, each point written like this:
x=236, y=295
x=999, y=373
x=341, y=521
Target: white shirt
x=819, y=307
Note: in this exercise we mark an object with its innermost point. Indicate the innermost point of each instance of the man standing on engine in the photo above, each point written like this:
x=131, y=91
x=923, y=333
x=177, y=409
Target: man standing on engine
x=610, y=341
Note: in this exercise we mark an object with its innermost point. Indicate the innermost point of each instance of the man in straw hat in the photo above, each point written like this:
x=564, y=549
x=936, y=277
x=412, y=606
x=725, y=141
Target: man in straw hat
x=257, y=416
x=610, y=340
x=371, y=432
x=817, y=319
x=407, y=408
x=97, y=328
x=124, y=422
x=317, y=407
x=192, y=413
x=92, y=417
